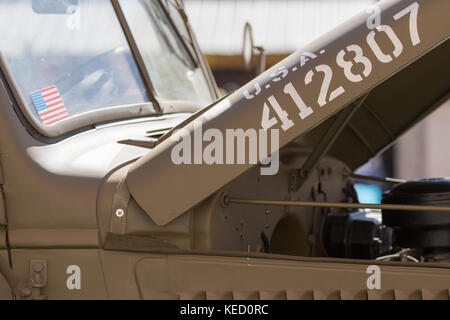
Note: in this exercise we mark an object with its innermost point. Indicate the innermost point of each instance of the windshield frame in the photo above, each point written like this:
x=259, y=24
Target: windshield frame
x=166, y=106
x=89, y=120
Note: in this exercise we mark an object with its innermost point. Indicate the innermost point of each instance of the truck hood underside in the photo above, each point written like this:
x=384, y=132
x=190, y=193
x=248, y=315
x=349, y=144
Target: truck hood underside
x=401, y=85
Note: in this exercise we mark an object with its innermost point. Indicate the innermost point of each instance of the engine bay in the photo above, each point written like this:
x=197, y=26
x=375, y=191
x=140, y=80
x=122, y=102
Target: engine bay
x=309, y=227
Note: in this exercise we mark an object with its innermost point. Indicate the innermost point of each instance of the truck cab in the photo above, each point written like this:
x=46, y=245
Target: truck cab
x=95, y=98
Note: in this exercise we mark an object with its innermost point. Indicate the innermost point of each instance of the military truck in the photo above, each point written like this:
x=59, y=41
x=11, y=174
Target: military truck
x=124, y=175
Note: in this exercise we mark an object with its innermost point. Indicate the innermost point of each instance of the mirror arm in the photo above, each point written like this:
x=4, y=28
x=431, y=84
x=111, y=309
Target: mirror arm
x=261, y=59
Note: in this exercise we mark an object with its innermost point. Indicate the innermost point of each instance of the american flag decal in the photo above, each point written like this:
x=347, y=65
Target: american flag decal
x=49, y=105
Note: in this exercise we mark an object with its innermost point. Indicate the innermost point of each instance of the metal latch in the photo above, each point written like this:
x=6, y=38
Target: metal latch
x=38, y=279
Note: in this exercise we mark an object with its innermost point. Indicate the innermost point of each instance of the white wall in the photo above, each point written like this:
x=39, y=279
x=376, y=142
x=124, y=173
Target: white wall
x=281, y=26
x=424, y=151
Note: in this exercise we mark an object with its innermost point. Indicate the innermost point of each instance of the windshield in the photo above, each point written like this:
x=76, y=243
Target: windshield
x=72, y=57
x=165, y=57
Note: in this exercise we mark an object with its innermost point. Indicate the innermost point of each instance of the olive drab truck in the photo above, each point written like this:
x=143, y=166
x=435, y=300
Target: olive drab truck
x=124, y=175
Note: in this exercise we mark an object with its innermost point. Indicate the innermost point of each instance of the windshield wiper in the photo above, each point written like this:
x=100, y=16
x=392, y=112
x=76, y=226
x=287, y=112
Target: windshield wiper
x=157, y=136
x=158, y=21
x=153, y=137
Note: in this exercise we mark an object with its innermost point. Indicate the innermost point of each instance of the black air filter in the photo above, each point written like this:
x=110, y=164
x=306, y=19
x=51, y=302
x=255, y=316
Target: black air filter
x=429, y=230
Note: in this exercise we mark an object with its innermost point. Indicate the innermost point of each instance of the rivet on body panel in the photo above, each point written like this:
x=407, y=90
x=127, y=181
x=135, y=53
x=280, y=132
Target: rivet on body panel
x=120, y=213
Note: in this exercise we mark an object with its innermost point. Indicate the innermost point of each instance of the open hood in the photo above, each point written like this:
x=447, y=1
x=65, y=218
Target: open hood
x=389, y=62
x=392, y=108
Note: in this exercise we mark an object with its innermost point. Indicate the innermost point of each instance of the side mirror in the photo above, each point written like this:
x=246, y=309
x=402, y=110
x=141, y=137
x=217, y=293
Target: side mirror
x=248, y=50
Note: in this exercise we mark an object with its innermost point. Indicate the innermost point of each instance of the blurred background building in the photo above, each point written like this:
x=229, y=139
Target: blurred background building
x=280, y=26
x=283, y=26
